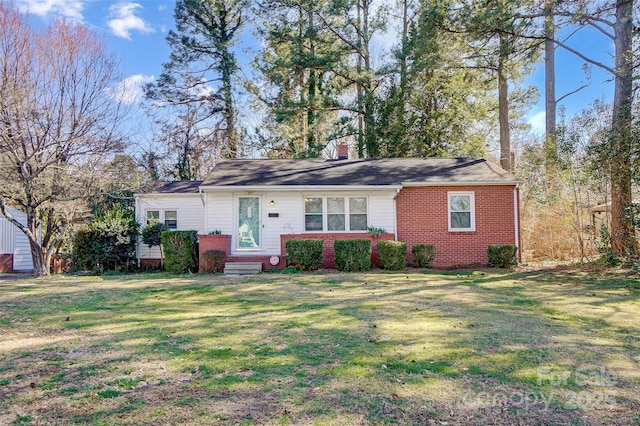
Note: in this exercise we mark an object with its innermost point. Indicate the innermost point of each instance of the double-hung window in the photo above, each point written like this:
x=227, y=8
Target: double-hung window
x=335, y=214
x=462, y=211
x=168, y=217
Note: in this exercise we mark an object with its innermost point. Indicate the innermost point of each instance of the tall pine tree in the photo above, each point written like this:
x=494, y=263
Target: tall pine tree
x=202, y=65
x=298, y=66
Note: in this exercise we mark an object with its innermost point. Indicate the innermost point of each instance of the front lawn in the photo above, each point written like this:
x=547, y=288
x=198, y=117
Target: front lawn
x=415, y=347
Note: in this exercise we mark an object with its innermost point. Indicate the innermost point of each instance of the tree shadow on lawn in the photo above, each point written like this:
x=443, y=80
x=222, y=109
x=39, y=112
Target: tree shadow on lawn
x=299, y=350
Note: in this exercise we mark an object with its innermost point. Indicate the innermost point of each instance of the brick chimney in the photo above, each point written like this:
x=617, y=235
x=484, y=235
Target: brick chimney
x=343, y=151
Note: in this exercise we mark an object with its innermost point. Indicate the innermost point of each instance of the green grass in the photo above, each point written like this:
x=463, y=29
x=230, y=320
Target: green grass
x=409, y=347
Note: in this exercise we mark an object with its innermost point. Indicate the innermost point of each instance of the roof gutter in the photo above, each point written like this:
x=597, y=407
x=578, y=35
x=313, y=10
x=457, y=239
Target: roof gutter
x=287, y=188
x=165, y=194
x=463, y=183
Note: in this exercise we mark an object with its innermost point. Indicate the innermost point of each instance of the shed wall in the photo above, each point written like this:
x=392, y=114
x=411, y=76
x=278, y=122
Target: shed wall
x=14, y=245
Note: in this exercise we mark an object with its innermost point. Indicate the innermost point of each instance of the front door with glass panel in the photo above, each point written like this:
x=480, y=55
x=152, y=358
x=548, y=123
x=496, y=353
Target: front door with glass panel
x=249, y=222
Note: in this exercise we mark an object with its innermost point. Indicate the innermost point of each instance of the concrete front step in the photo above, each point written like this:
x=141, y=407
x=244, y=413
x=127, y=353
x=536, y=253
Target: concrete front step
x=242, y=268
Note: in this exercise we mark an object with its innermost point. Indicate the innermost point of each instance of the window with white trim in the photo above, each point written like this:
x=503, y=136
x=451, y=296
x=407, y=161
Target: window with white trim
x=168, y=217
x=462, y=211
x=335, y=214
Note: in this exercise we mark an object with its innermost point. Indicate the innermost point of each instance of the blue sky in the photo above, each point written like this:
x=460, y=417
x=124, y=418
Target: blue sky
x=136, y=30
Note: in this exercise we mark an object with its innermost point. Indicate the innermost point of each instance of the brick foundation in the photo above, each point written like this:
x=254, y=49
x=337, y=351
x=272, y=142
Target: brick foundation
x=6, y=263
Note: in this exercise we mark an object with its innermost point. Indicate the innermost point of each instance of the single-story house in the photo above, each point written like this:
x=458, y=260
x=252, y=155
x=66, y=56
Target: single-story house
x=15, y=251
x=460, y=205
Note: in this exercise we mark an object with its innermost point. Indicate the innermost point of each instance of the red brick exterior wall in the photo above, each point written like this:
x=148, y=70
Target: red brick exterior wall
x=327, y=248
x=423, y=219
x=6, y=262
x=213, y=242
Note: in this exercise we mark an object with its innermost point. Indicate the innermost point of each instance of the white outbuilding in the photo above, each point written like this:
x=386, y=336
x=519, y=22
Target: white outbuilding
x=15, y=252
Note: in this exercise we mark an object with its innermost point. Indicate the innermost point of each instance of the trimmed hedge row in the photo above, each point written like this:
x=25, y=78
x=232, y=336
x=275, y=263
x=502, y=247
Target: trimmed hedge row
x=392, y=255
x=306, y=254
x=352, y=255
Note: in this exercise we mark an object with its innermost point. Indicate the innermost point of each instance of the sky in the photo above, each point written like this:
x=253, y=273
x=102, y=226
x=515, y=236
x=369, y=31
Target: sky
x=136, y=31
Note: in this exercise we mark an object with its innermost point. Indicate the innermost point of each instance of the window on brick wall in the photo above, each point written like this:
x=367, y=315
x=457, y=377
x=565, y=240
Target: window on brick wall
x=461, y=211
x=335, y=214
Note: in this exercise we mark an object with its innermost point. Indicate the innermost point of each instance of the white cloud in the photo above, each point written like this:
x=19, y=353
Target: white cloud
x=69, y=9
x=122, y=20
x=537, y=122
x=130, y=90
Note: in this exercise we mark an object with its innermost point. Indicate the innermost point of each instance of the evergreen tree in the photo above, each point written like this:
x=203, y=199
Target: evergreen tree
x=202, y=65
x=436, y=104
x=358, y=22
x=504, y=44
x=300, y=86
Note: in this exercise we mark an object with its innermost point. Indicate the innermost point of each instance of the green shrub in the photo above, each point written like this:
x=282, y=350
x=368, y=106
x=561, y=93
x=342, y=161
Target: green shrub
x=107, y=243
x=502, y=255
x=152, y=234
x=352, y=255
x=213, y=261
x=180, y=251
x=305, y=254
x=423, y=255
x=392, y=255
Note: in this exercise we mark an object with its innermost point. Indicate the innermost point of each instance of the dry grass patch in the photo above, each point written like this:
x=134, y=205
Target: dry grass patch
x=416, y=347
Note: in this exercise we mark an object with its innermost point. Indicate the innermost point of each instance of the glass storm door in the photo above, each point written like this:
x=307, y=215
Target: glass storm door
x=249, y=222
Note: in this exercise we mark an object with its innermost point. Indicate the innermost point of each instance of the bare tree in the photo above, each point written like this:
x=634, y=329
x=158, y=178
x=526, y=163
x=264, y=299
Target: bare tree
x=58, y=118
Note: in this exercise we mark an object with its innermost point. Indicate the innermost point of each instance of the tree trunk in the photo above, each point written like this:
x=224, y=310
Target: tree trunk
x=404, y=43
x=229, y=110
x=622, y=232
x=312, y=140
x=503, y=105
x=371, y=141
x=40, y=268
x=359, y=85
x=551, y=148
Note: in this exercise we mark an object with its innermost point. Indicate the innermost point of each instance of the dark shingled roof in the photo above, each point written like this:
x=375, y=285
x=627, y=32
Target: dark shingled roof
x=362, y=172
x=173, y=187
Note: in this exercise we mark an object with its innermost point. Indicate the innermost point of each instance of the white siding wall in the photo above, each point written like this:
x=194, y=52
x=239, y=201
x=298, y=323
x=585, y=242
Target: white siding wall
x=222, y=214
x=6, y=235
x=22, y=260
x=290, y=209
x=190, y=216
x=382, y=210
x=13, y=241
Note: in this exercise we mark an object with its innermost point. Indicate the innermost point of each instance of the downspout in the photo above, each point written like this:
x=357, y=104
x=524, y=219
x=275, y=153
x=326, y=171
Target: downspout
x=395, y=216
x=516, y=222
x=137, y=210
x=204, y=204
